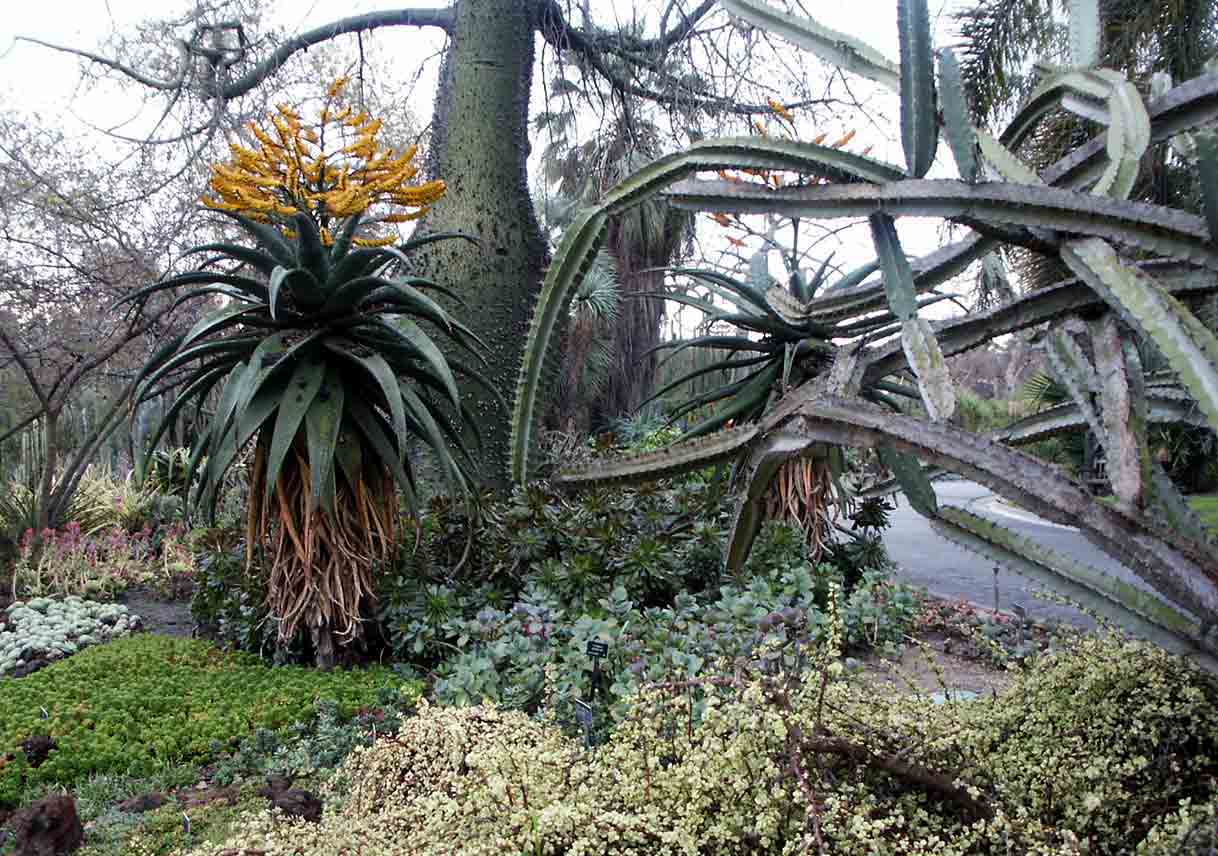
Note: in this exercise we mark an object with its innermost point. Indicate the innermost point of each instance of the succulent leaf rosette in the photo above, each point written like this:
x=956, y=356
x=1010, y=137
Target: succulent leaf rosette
x=315, y=357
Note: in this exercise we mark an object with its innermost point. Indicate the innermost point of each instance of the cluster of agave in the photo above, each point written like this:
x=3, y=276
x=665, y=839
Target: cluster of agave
x=320, y=364
x=826, y=359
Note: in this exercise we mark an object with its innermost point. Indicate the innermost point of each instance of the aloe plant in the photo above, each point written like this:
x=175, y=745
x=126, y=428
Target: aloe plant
x=319, y=365
x=820, y=372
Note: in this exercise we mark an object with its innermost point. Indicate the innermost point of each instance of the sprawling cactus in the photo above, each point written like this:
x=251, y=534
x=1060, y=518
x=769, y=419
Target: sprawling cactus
x=1077, y=211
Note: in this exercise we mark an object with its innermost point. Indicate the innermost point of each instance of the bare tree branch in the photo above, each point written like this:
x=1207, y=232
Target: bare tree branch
x=442, y=18
x=152, y=82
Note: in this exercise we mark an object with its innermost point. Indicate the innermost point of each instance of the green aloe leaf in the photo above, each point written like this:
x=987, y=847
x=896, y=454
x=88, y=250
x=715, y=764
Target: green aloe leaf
x=198, y=387
x=343, y=239
x=323, y=421
x=306, y=380
x=375, y=366
x=919, y=107
x=241, y=389
x=377, y=435
x=267, y=237
x=311, y=253
x=259, y=260
x=744, y=406
x=227, y=350
x=431, y=355
x=434, y=436
x=214, y=322
x=720, y=365
x=368, y=290
x=348, y=455
x=243, y=284
x=273, y=287
x=852, y=279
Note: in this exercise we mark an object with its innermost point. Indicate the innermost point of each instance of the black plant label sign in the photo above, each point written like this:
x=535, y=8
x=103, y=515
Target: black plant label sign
x=597, y=648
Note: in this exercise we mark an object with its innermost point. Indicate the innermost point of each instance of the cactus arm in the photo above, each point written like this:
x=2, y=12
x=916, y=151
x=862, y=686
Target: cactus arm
x=1179, y=568
x=1137, y=611
x=672, y=460
x=1153, y=228
x=757, y=471
x=1038, y=307
x=1190, y=348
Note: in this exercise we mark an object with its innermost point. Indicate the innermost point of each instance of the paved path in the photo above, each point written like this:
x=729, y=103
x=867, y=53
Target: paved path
x=927, y=560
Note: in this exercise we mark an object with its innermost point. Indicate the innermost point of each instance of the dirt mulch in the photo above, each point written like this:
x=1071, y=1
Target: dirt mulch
x=929, y=669
x=167, y=617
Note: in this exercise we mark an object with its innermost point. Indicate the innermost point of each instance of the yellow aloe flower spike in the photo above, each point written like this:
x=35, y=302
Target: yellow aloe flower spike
x=351, y=173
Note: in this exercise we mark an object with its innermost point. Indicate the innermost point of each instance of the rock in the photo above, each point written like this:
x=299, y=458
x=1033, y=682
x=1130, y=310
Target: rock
x=29, y=667
x=142, y=803
x=49, y=827
x=37, y=748
x=193, y=798
x=294, y=802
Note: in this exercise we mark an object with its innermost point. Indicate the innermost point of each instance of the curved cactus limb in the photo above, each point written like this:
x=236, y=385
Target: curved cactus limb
x=1181, y=569
x=1137, y=611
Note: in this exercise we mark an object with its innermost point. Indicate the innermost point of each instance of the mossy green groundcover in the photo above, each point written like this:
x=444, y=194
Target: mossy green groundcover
x=140, y=705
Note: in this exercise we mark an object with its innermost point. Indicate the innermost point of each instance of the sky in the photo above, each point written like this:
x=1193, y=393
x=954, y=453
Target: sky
x=35, y=79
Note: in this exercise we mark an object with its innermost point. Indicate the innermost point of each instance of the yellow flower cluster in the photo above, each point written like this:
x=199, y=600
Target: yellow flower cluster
x=332, y=169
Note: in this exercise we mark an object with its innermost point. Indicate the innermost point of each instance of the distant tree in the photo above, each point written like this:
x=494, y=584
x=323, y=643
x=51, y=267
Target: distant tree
x=684, y=57
x=70, y=247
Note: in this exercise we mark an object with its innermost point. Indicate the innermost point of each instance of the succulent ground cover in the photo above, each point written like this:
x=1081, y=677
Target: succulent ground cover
x=775, y=764
x=145, y=704
x=34, y=633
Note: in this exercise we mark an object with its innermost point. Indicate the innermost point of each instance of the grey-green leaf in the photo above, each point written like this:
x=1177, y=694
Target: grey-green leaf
x=898, y=275
x=919, y=107
x=961, y=136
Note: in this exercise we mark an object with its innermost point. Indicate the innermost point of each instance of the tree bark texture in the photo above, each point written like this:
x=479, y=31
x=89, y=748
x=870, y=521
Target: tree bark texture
x=480, y=148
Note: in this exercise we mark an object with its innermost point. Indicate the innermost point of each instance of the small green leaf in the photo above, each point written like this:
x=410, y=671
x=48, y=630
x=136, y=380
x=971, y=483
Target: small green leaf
x=912, y=478
x=898, y=275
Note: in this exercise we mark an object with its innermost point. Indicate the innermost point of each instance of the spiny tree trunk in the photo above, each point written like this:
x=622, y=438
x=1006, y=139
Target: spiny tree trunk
x=480, y=146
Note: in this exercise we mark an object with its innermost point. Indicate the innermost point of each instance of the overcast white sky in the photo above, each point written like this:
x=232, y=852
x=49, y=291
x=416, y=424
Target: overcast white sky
x=43, y=81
